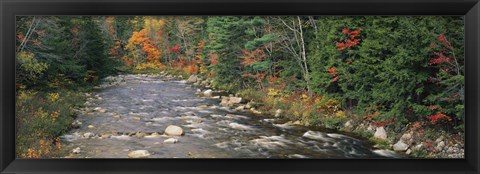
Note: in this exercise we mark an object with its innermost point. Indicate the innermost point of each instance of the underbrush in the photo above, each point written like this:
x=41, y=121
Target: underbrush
x=40, y=118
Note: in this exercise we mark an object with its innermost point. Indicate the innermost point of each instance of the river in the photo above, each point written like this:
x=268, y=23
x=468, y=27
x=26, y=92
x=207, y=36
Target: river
x=133, y=116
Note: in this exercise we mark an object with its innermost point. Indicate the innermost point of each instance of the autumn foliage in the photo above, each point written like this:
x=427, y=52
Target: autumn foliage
x=350, y=39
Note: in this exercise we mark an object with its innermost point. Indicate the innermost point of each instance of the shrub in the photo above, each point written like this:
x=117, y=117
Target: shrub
x=41, y=117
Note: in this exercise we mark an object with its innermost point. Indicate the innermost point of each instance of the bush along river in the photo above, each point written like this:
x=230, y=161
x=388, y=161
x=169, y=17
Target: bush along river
x=160, y=116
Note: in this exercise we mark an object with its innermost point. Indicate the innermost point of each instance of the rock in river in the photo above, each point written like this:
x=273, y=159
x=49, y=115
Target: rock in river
x=76, y=150
x=208, y=93
x=171, y=141
x=174, y=130
x=139, y=154
x=235, y=100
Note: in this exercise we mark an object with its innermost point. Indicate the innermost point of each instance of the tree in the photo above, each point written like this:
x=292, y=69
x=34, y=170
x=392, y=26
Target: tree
x=93, y=52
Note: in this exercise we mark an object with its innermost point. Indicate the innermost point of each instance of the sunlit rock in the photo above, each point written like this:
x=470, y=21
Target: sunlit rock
x=174, y=130
x=139, y=154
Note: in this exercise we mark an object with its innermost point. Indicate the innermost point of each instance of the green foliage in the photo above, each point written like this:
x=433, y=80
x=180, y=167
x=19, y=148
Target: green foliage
x=225, y=40
x=387, y=70
x=93, y=53
x=29, y=69
x=42, y=117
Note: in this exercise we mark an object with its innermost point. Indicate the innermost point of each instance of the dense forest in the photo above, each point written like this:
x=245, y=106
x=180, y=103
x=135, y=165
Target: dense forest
x=404, y=73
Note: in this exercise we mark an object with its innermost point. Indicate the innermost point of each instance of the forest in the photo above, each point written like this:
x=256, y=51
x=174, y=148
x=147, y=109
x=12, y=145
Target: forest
x=402, y=73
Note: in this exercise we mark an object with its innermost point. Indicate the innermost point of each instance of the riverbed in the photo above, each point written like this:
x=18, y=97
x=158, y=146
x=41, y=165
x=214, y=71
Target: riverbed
x=134, y=114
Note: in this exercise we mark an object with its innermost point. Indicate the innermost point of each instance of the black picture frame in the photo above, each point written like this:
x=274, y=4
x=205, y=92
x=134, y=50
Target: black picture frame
x=470, y=9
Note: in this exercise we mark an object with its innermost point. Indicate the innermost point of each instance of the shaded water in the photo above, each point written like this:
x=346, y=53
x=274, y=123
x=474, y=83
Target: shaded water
x=149, y=104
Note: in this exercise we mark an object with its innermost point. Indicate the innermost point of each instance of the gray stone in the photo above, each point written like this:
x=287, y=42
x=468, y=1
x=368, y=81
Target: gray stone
x=278, y=113
x=174, y=130
x=139, y=154
x=140, y=135
x=239, y=108
x=208, y=93
x=88, y=135
x=400, y=146
x=76, y=150
x=235, y=100
x=192, y=79
x=439, y=139
x=371, y=128
x=440, y=146
x=348, y=124
x=380, y=133
x=170, y=141
x=408, y=152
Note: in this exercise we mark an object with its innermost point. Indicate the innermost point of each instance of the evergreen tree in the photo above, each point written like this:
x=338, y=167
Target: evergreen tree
x=92, y=53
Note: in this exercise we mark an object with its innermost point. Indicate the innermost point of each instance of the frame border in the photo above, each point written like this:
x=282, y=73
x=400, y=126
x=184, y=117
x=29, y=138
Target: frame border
x=470, y=9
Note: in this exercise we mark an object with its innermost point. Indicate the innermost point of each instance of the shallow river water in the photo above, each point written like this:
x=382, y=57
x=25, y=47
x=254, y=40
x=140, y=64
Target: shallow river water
x=144, y=105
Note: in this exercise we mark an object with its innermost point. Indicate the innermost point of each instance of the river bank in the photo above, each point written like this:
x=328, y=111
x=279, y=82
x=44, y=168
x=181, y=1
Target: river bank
x=414, y=141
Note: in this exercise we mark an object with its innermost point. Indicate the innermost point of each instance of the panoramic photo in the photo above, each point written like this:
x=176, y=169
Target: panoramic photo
x=322, y=87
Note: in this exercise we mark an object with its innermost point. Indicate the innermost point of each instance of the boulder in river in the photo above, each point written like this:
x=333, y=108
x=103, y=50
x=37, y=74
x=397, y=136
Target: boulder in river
x=235, y=100
x=192, y=79
x=207, y=93
x=139, y=154
x=380, y=133
x=174, y=130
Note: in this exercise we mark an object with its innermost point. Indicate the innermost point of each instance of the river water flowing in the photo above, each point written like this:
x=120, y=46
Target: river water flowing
x=133, y=116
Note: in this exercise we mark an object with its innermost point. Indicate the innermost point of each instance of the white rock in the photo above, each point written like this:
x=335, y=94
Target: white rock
x=234, y=100
x=400, y=146
x=76, y=150
x=174, y=130
x=208, y=93
x=248, y=105
x=348, y=124
x=88, y=135
x=278, y=113
x=139, y=154
x=91, y=126
x=440, y=146
x=380, y=133
x=239, y=108
x=371, y=128
x=224, y=101
x=171, y=141
x=192, y=79
x=439, y=139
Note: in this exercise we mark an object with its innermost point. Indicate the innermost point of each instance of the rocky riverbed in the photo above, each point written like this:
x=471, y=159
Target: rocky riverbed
x=159, y=116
